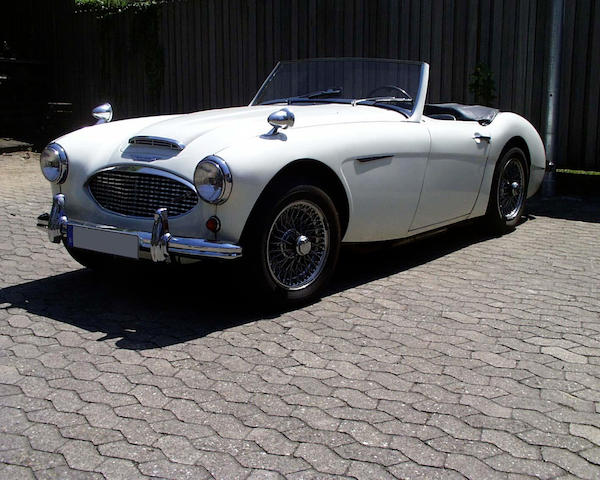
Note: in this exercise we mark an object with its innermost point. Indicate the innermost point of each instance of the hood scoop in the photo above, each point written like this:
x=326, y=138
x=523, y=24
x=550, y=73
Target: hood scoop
x=160, y=142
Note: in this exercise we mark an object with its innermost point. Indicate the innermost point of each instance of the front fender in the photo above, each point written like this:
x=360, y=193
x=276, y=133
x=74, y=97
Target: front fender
x=254, y=162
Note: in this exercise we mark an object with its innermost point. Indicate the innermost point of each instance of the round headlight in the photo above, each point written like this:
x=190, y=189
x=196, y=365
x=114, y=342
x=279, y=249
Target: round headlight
x=212, y=179
x=54, y=163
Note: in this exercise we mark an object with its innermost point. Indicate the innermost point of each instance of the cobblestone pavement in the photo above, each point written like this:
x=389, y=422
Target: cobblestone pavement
x=459, y=356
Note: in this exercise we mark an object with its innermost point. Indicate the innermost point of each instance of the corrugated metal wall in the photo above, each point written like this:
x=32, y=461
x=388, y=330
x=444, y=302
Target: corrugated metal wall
x=579, y=112
x=215, y=53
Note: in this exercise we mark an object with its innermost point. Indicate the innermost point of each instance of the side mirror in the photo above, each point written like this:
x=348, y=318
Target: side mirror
x=103, y=113
x=280, y=119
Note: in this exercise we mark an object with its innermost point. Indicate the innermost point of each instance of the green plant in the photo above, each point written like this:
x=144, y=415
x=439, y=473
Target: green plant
x=104, y=8
x=482, y=84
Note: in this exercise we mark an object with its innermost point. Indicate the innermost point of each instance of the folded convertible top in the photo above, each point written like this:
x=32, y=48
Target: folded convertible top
x=476, y=113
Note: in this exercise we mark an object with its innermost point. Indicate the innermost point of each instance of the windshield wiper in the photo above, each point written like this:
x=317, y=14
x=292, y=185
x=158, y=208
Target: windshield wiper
x=320, y=93
x=374, y=100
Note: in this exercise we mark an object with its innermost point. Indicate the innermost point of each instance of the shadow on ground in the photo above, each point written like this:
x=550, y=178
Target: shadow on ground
x=568, y=196
x=168, y=307
x=174, y=306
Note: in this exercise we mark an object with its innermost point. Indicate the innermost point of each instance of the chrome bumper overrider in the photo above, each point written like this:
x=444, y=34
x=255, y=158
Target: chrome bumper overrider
x=160, y=243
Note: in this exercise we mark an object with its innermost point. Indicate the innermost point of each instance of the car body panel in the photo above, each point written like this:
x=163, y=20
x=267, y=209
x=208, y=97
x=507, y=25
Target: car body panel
x=454, y=172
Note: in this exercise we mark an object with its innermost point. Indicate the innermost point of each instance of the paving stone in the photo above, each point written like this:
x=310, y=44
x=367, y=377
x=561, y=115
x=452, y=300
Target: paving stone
x=272, y=441
x=571, y=462
x=510, y=443
x=470, y=467
x=169, y=470
x=367, y=470
x=120, y=469
x=418, y=451
x=222, y=465
x=364, y=433
x=81, y=455
x=373, y=455
x=282, y=464
x=454, y=426
x=177, y=449
x=564, y=355
x=322, y=458
x=64, y=472
x=16, y=472
x=588, y=432
x=533, y=468
x=45, y=437
x=136, y=453
x=420, y=472
x=477, y=449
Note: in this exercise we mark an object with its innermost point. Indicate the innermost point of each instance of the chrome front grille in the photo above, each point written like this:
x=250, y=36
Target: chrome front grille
x=141, y=193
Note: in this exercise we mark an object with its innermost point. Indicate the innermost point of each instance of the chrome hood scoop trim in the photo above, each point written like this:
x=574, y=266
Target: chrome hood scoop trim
x=153, y=141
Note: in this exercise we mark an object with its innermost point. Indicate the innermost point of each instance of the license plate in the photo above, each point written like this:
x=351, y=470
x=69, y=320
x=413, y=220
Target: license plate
x=104, y=241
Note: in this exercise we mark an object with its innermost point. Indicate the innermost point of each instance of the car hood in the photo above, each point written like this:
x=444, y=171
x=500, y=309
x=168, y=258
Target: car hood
x=231, y=123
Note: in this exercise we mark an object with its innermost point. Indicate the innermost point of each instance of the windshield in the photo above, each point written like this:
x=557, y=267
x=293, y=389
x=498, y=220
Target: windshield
x=343, y=80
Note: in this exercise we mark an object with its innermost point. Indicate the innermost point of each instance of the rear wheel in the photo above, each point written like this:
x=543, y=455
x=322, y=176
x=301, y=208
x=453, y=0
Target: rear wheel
x=294, y=247
x=509, y=191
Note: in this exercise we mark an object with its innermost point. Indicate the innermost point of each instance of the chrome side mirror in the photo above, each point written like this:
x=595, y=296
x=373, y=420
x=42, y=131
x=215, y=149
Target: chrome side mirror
x=103, y=113
x=280, y=119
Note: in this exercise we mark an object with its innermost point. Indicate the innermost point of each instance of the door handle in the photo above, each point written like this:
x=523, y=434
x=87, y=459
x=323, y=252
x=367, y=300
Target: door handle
x=482, y=138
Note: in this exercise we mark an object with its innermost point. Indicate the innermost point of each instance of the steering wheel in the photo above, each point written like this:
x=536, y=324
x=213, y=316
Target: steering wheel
x=404, y=93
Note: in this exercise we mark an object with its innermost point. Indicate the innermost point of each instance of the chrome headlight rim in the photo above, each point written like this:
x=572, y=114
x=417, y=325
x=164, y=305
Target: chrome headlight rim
x=224, y=172
x=63, y=163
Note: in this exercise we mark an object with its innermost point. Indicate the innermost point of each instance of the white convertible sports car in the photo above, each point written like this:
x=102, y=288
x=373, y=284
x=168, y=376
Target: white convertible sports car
x=328, y=151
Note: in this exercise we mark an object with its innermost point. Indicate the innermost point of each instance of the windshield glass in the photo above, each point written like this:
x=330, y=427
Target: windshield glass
x=343, y=80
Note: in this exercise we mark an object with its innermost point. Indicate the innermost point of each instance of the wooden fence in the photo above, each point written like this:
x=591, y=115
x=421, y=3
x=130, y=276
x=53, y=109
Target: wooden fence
x=191, y=55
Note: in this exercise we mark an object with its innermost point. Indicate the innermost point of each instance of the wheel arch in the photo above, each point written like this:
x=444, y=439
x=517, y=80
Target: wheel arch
x=314, y=172
x=518, y=141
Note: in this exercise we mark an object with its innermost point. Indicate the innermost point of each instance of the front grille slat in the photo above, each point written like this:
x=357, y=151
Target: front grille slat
x=141, y=194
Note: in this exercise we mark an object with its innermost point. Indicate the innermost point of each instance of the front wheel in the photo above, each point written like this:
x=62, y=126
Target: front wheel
x=508, y=192
x=296, y=244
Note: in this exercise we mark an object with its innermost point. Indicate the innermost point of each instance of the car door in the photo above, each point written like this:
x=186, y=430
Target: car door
x=454, y=172
x=384, y=167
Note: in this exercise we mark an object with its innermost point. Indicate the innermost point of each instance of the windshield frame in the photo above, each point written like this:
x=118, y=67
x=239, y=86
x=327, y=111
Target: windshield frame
x=419, y=100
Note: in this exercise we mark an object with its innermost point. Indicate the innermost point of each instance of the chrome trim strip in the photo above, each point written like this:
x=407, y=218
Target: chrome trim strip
x=153, y=141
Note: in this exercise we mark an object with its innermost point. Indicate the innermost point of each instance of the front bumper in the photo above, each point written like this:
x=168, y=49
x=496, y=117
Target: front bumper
x=159, y=244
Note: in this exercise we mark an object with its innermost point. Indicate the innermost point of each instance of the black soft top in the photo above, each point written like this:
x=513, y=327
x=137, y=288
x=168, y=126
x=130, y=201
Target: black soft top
x=474, y=113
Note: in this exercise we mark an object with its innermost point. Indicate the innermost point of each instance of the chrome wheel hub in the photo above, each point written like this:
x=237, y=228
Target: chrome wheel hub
x=303, y=245
x=515, y=188
x=511, y=193
x=298, y=245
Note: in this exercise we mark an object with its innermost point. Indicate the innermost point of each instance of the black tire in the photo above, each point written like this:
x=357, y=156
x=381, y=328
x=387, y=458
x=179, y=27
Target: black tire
x=508, y=194
x=293, y=243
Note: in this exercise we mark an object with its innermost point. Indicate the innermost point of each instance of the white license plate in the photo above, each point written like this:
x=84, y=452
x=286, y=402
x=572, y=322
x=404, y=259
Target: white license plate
x=104, y=241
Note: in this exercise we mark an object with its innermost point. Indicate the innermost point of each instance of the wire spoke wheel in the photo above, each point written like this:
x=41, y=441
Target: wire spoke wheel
x=298, y=245
x=511, y=189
